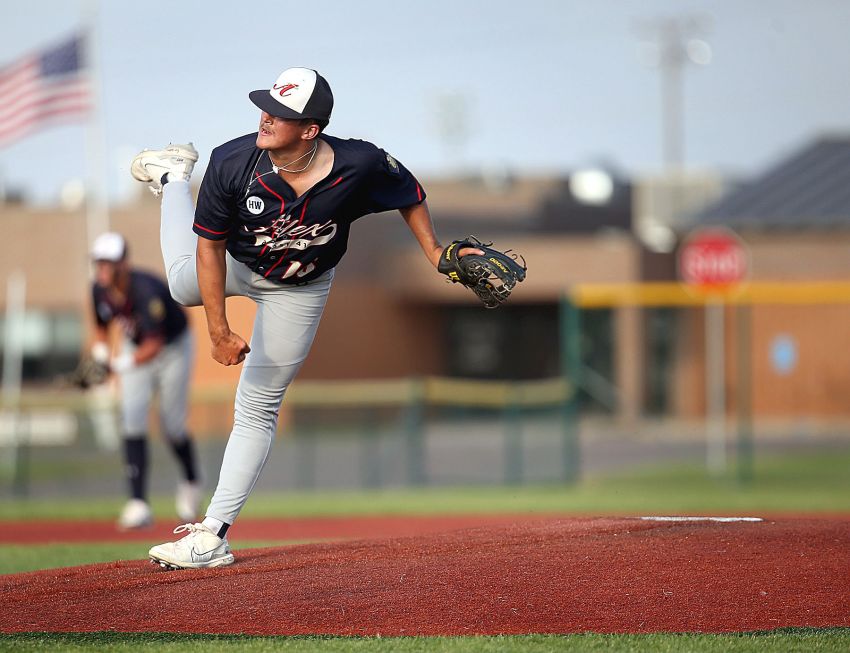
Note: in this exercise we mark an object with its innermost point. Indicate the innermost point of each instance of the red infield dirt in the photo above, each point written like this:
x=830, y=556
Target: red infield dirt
x=544, y=576
x=302, y=528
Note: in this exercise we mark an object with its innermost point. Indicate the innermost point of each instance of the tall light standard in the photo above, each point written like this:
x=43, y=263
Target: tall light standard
x=671, y=44
x=452, y=121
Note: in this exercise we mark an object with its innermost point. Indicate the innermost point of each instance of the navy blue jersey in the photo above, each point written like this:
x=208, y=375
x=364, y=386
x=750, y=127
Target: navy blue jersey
x=148, y=311
x=292, y=239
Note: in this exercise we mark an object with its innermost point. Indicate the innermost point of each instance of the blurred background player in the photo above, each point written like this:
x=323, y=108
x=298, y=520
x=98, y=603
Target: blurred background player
x=155, y=357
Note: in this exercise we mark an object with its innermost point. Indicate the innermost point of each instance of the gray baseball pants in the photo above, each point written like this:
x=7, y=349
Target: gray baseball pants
x=168, y=374
x=286, y=322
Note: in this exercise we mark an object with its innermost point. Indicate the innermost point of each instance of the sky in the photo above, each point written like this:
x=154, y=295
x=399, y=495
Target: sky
x=535, y=87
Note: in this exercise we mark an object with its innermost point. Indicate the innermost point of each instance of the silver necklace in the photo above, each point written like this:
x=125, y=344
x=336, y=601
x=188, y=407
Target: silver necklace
x=285, y=167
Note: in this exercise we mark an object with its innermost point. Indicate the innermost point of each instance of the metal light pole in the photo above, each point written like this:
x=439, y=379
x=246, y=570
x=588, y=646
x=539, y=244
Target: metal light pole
x=671, y=44
x=672, y=59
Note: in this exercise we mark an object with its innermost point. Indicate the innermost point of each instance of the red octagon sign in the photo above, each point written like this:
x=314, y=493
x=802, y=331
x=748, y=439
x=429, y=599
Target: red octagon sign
x=713, y=258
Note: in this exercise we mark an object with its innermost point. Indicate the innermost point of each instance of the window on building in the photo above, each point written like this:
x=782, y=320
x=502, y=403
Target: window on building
x=50, y=343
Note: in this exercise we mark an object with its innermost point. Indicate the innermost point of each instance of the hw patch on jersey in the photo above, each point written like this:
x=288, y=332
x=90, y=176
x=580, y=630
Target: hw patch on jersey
x=255, y=205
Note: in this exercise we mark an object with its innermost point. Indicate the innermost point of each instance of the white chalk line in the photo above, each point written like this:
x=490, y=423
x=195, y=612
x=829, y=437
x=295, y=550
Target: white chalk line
x=717, y=519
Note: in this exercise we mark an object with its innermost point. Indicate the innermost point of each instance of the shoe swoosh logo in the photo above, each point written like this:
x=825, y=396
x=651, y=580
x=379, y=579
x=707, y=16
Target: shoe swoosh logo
x=200, y=554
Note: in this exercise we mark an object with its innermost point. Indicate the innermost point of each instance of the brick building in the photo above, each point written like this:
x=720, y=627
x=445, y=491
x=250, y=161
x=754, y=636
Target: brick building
x=389, y=315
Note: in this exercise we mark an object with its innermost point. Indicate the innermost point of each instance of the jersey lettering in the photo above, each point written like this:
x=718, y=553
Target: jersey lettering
x=295, y=269
x=287, y=233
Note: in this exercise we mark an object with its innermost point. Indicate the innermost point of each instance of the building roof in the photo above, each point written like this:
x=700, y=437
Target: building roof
x=810, y=189
x=513, y=200
x=524, y=203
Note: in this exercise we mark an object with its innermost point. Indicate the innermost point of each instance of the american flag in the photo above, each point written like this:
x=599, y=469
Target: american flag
x=48, y=87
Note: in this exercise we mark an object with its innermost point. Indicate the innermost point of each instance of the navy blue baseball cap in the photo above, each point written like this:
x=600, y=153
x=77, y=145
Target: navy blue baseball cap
x=298, y=93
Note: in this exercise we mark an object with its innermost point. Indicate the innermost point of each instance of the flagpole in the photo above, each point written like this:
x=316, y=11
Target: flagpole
x=97, y=210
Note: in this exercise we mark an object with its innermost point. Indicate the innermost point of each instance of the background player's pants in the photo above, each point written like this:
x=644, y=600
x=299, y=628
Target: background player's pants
x=168, y=374
x=286, y=322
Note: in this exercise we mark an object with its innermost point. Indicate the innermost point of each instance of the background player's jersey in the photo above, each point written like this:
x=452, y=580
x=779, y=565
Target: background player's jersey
x=291, y=239
x=149, y=310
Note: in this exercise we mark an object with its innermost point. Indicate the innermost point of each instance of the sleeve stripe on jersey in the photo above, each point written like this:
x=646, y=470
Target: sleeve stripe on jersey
x=217, y=233
x=418, y=193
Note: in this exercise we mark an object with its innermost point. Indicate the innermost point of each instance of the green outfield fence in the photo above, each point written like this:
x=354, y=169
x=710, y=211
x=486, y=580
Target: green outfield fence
x=451, y=431
x=383, y=429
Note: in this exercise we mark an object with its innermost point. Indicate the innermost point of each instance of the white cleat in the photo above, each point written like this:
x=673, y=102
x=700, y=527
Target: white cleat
x=187, y=501
x=200, y=549
x=177, y=161
x=136, y=514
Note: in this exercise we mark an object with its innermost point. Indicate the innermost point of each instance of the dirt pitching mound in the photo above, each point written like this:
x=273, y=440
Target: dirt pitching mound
x=551, y=576
x=266, y=530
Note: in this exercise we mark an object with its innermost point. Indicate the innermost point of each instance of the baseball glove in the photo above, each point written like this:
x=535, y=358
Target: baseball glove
x=492, y=276
x=88, y=373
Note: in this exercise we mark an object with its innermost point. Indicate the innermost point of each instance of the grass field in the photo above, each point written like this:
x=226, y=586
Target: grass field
x=812, y=484
x=802, y=483
x=778, y=641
